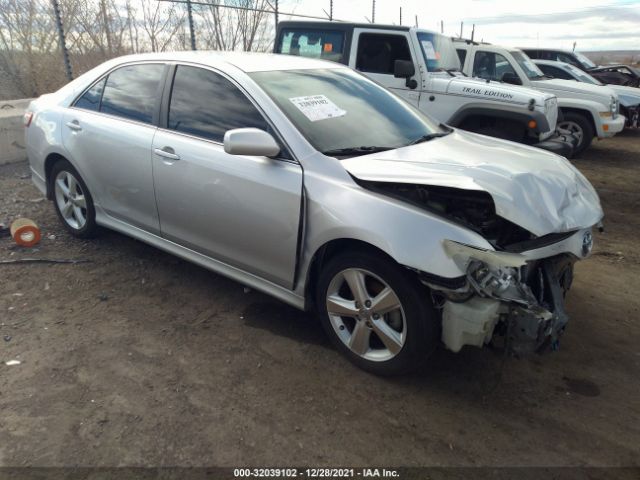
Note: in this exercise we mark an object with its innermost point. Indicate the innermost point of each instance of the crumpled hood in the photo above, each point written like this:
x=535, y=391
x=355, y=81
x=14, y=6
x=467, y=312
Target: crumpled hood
x=537, y=190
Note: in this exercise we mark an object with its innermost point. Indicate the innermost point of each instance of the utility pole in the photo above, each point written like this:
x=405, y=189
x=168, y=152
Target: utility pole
x=192, y=32
x=373, y=11
x=400, y=16
x=473, y=31
x=330, y=9
x=105, y=19
x=441, y=26
x=416, y=21
x=63, y=43
x=461, y=27
x=276, y=12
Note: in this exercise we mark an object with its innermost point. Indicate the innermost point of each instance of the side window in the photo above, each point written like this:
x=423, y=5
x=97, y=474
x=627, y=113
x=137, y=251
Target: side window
x=90, y=100
x=313, y=44
x=491, y=66
x=206, y=105
x=377, y=53
x=556, y=72
x=462, y=55
x=132, y=92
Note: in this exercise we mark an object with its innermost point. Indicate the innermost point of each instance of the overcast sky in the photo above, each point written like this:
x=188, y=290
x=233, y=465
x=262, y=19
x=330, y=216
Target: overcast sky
x=594, y=25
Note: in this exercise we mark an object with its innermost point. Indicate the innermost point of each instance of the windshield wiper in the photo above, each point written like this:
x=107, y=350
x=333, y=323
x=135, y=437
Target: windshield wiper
x=355, y=151
x=429, y=136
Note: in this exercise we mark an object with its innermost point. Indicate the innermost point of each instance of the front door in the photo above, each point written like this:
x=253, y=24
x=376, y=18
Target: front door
x=374, y=54
x=241, y=210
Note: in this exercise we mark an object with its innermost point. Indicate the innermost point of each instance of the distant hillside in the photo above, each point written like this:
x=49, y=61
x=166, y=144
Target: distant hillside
x=628, y=57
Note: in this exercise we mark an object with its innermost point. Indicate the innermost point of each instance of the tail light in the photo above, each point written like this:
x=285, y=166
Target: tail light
x=28, y=116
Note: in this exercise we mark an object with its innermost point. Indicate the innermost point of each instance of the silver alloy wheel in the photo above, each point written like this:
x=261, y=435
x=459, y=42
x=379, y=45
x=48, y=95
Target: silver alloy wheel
x=574, y=128
x=70, y=200
x=366, y=314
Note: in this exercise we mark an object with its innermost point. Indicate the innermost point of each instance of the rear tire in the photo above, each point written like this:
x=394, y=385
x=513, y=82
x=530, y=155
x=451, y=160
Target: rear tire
x=72, y=200
x=376, y=313
x=579, y=125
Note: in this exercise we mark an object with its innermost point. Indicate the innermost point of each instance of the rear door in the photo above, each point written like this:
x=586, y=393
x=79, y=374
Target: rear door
x=241, y=210
x=374, y=52
x=108, y=132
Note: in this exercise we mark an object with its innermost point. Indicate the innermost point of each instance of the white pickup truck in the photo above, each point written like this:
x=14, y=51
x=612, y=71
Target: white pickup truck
x=588, y=111
x=423, y=67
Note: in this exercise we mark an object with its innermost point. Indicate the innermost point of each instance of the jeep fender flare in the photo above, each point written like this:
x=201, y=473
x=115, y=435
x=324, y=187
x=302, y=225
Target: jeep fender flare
x=506, y=112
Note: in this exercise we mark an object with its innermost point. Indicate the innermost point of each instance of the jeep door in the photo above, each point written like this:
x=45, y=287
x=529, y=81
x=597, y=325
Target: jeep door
x=374, y=52
x=241, y=210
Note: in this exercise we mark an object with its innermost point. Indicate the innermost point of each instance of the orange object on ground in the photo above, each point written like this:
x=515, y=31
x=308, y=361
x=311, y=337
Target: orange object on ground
x=25, y=232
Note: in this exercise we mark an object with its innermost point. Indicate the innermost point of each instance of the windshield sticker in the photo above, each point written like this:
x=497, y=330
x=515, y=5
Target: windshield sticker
x=429, y=51
x=317, y=107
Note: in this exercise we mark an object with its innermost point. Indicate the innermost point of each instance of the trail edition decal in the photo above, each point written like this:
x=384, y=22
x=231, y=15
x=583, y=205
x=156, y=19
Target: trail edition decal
x=487, y=93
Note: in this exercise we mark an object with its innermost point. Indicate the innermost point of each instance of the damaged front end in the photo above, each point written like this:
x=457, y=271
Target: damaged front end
x=505, y=298
x=512, y=293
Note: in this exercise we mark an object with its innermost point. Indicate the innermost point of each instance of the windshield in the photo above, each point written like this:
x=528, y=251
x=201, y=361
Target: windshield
x=340, y=109
x=438, y=51
x=584, y=61
x=582, y=76
x=530, y=69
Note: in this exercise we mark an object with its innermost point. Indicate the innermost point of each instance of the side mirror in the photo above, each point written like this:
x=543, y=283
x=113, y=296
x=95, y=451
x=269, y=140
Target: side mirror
x=250, y=141
x=404, y=69
x=512, y=78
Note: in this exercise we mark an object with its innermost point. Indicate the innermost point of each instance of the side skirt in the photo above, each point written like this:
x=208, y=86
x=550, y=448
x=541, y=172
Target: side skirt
x=209, y=263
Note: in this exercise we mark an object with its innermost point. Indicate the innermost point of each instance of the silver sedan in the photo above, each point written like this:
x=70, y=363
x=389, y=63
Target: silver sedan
x=307, y=181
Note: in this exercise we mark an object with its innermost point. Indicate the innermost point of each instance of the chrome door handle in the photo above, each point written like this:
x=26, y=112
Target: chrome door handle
x=74, y=126
x=166, y=152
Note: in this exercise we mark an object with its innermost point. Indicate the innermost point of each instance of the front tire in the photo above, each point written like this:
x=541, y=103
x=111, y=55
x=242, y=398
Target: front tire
x=376, y=313
x=581, y=127
x=72, y=200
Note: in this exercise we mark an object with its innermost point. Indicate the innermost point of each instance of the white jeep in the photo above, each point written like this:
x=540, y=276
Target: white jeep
x=587, y=110
x=422, y=67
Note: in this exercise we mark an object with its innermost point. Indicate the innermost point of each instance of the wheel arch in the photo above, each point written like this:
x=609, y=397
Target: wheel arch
x=585, y=113
x=472, y=112
x=325, y=253
x=49, y=162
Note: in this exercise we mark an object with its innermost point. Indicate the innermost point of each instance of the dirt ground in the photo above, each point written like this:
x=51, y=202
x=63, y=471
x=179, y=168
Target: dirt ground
x=140, y=358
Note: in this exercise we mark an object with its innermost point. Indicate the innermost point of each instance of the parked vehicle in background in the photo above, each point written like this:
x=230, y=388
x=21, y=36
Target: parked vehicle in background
x=616, y=74
x=588, y=111
x=629, y=97
x=306, y=180
x=422, y=67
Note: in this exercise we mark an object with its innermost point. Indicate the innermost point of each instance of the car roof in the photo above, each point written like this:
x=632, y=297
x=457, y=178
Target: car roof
x=245, y=61
x=536, y=49
x=331, y=25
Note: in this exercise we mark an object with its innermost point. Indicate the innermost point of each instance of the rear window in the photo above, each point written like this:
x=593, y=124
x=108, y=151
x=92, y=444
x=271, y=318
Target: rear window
x=132, y=92
x=326, y=45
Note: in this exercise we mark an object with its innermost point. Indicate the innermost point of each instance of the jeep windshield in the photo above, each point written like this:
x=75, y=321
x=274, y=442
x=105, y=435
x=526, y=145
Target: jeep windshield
x=439, y=52
x=530, y=69
x=342, y=113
